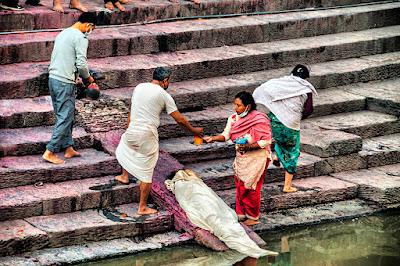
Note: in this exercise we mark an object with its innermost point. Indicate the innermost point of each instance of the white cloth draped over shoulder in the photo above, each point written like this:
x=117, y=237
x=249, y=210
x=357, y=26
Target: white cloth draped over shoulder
x=208, y=211
x=285, y=98
x=138, y=149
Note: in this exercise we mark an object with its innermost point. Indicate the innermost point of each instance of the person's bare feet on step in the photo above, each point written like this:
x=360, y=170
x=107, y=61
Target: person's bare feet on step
x=289, y=190
x=251, y=222
x=57, y=6
x=109, y=6
x=52, y=157
x=70, y=152
x=75, y=4
x=147, y=211
x=120, y=6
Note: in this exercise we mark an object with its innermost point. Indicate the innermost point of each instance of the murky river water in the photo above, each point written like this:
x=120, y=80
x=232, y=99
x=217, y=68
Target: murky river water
x=367, y=241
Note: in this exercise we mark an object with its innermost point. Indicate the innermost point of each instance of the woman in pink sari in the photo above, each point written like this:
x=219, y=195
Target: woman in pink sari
x=251, y=132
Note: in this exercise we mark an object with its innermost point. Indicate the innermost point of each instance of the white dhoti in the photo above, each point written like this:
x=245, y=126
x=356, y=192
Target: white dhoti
x=138, y=151
x=208, y=211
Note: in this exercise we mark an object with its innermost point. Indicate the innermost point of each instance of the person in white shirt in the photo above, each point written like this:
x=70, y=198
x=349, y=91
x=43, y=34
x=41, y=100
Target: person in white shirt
x=287, y=100
x=138, y=148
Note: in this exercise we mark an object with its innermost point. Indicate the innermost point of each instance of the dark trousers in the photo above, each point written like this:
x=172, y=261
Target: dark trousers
x=63, y=98
x=11, y=3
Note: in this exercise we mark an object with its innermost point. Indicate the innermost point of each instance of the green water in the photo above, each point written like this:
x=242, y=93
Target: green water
x=367, y=241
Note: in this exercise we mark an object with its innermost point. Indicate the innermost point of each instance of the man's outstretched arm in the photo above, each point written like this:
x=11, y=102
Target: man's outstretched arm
x=181, y=120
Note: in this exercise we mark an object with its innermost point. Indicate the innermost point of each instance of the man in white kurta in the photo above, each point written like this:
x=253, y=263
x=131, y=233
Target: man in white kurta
x=138, y=149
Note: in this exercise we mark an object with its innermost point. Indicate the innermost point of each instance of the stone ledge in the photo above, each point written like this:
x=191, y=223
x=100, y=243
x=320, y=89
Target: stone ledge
x=25, y=141
x=197, y=34
x=63, y=197
x=311, y=191
x=381, y=151
x=379, y=184
x=322, y=213
x=28, y=170
x=43, y=17
x=30, y=78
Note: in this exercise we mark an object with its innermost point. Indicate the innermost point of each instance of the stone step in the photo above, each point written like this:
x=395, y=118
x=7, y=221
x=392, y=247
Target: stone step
x=380, y=151
x=30, y=169
x=316, y=214
x=96, y=250
x=29, y=79
x=311, y=191
x=63, y=197
x=33, y=140
x=42, y=17
x=379, y=184
x=218, y=174
x=81, y=227
x=28, y=112
x=195, y=34
x=322, y=143
x=381, y=96
x=366, y=124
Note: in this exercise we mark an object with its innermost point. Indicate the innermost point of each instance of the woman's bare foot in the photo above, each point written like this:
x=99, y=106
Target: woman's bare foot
x=197, y=2
x=57, y=6
x=289, y=190
x=147, y=211
x=120, y=6
x=70, y=152
x=109, y=6
x=123, y=179
x=251, y=222
x=52, y=157
x=75, y=4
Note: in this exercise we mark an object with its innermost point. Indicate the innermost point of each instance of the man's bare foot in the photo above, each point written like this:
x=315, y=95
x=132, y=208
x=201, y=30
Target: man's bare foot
x=75, y=4
x=52, y=157
x=289, y=190
x=70, y=152
x=122, y=179
x=251, y=222
x=197, y=2
x=147, y=211
x=109, y=6
x=58, y=7
x=120, y=6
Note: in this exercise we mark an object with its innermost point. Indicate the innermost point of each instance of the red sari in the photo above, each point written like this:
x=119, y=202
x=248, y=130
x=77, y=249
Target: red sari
x=250, y=168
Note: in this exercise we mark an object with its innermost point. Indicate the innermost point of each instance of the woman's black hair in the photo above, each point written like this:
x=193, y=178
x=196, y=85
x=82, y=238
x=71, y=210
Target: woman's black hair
x=247, y=99
x=301, y=71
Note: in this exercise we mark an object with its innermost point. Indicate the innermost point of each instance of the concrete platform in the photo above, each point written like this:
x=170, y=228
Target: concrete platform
x=30, y=169
x=33, y=140
x=205, y=33
x=30, y=78
x=80, y=227
x=141, y=11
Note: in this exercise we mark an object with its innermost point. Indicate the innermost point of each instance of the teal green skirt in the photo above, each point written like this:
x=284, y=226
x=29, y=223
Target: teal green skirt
x=287, y=144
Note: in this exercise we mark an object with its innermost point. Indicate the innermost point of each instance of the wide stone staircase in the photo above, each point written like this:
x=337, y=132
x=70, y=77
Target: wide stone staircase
x=350, y=147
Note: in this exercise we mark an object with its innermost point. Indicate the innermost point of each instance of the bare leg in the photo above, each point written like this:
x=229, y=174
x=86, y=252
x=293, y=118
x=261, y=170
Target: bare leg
x=51, y=157
x=288, y=183
x=75, y=4
x=144, y=194
x=70, y=152
x=57, y=6
x=123, y=178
